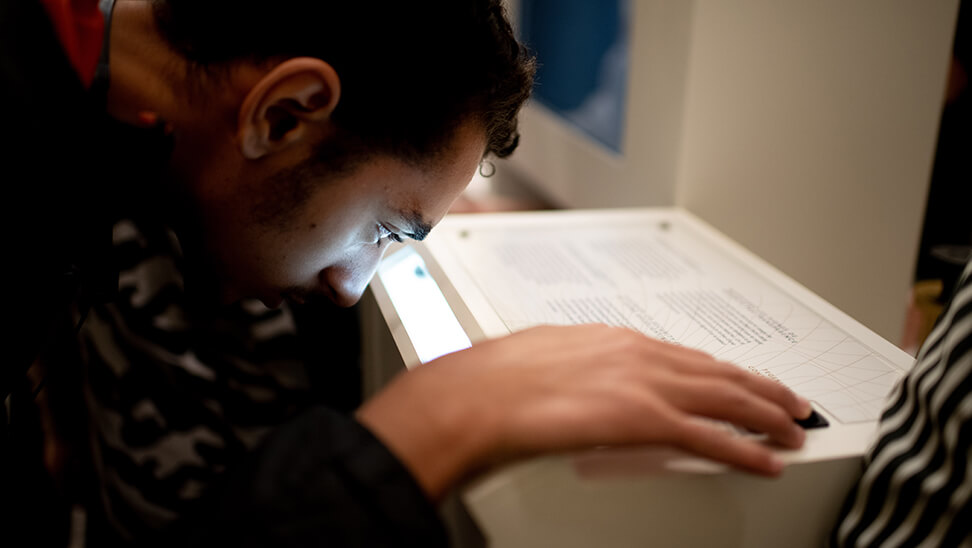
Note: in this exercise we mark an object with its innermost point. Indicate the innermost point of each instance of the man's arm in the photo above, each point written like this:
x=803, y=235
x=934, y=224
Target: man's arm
x=320, y=480
x=323, y=479
x=554, y=389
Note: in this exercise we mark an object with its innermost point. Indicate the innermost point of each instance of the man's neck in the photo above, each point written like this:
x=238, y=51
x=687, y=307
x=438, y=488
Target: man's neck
x=146, y=74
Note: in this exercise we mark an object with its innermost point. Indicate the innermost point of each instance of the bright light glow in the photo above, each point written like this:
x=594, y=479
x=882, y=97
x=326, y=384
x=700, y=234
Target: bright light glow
x=427, y=317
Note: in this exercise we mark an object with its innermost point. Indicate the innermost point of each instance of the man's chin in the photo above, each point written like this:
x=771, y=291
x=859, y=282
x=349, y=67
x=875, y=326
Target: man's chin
x=229, y=295
x=294, y=296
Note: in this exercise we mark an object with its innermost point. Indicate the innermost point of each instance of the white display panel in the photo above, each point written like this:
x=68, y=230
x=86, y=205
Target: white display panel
x=663, y=272
x=667, y=281
x=429, y=321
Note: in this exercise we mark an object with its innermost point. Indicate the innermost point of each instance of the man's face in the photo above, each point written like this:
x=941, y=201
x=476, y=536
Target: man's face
x=330, y=244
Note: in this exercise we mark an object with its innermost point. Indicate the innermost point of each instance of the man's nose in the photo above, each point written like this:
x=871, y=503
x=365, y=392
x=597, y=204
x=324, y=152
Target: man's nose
x=346, y=282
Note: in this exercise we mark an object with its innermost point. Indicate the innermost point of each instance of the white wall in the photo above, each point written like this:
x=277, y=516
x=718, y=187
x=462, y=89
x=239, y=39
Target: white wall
x=808, y=136
x=804, y=129
x=572, y=171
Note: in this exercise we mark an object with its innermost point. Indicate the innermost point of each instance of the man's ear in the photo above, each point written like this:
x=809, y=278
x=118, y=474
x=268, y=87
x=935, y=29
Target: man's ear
x=282, y=108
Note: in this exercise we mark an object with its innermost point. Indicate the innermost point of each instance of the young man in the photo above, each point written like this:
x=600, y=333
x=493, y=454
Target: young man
x=286, y=143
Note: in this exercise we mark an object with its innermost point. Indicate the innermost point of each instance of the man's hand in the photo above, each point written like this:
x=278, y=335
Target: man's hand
x=552, y=389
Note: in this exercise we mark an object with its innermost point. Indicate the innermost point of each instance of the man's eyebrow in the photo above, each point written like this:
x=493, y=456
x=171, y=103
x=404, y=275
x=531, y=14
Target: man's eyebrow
x=418, y=228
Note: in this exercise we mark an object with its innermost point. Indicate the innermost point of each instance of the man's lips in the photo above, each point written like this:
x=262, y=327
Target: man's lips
x=294, y=298
x=272, y=301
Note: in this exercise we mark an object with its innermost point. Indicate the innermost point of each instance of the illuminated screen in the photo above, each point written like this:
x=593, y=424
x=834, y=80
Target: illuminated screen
x=423, y=309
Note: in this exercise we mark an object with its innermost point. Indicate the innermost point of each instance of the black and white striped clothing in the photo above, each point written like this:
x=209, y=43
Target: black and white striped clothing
x=916, y=489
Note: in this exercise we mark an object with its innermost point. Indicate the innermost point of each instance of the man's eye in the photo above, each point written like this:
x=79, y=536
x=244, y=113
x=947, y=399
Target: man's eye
x=383, y=232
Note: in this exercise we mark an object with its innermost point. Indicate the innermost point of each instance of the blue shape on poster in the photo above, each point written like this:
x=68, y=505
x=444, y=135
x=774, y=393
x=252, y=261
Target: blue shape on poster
x=582, y=51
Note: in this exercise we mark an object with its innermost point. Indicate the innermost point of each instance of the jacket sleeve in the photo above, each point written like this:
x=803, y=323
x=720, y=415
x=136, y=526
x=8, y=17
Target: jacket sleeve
x=320, y=480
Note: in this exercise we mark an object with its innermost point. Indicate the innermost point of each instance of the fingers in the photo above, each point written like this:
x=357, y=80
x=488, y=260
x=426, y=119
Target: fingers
x=722, y=400
x=796, y=406
x=709, y=441
x=572, y=387
x=698, y=384
x=773, y=391
x=690, y=361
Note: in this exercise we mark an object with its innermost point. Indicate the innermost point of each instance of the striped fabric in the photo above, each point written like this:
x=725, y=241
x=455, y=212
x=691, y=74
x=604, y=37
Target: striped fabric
x=916, y=489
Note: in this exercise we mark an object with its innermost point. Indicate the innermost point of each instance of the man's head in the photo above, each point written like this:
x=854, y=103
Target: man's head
x=323, y=129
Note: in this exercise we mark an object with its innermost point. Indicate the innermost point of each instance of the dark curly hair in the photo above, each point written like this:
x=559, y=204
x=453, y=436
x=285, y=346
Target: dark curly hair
x=411, y=71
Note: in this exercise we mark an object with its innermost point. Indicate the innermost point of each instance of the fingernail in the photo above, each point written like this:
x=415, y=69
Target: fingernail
x=805, y=409
x=776, y=464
